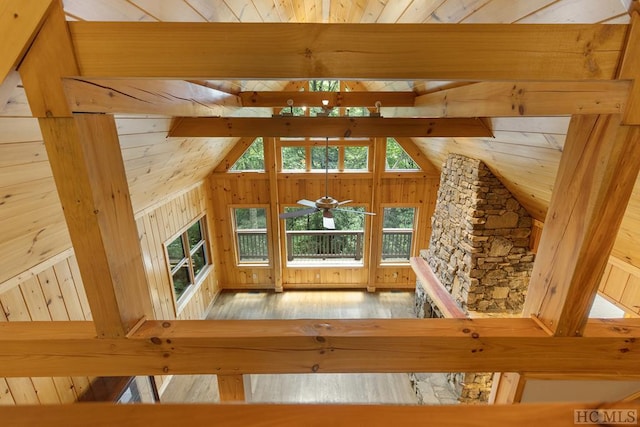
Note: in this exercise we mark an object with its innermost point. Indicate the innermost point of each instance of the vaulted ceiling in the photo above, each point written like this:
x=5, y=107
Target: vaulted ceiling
x=524, y=153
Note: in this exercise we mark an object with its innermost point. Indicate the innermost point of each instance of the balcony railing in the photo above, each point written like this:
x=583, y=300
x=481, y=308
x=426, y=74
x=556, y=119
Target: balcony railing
x=322, y=244
x=252, y=245
x=396, y=244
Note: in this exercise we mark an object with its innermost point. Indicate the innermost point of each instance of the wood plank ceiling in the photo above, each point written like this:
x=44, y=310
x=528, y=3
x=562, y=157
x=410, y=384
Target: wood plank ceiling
x=524, y=153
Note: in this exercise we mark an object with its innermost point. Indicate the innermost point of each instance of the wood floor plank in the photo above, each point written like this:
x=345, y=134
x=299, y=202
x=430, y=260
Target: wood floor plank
x=305, y=388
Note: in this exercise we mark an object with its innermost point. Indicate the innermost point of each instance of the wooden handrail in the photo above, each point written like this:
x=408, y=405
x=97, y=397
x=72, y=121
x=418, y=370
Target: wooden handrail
x=436, y=290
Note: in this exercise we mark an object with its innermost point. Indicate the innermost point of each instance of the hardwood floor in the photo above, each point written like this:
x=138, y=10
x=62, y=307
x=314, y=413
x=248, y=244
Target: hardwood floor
x=306, y=388
x=313, y=305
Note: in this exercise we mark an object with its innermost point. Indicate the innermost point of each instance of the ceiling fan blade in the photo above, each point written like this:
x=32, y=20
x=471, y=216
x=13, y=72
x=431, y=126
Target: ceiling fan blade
x=295, y=214
x=305, y=202
x=328, y=223
x=354, y=211
x=344, y=202
x=326, y=213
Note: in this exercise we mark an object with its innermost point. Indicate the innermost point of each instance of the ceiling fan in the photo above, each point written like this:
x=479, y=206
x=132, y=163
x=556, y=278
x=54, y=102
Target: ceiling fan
x=326, y=204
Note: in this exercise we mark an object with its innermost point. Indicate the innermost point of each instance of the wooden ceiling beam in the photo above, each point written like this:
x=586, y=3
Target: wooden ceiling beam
x=334, y=99
x=348, y=51
x=520, y=99
x=596, y=176
x=235, y=415
x=141, y=96
x=281, y=126
x=231, y=347
x=630, y=69
x=19, y=23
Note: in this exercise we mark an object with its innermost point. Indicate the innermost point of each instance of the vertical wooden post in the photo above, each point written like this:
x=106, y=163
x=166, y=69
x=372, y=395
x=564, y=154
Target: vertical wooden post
x=270, y=165
x=598, y=170
x=234, y=388
x=86, y=161
x=87, y=165
x=379, y=153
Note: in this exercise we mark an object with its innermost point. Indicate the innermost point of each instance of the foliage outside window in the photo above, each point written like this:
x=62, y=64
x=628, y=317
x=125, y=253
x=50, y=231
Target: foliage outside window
x=356, y=157
x=318, y=158
x=397, y=158
x=188, y=257
x=252, y=159
x=307, y=240
x=251, y=235
x=397, y=234
x=294, y=158
x=341, y=158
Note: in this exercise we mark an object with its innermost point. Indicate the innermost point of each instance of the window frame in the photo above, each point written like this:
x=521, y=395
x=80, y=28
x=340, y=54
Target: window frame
x=416, y=212
x=234, y=231
x=340, y=143
x=196, y=280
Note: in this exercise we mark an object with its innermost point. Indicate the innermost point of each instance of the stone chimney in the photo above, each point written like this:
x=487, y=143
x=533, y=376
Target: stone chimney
x=479, y=246
x=479, y=250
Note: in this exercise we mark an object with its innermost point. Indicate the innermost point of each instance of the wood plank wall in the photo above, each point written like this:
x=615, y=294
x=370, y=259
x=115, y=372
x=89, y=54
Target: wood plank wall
x=156, y=227
x=620, y=282
x=621, y=286
x=55, y=292
x=235, y=189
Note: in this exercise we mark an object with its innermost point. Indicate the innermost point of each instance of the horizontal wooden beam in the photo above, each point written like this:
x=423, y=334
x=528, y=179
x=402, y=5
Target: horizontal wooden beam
x=326, y=127
x=508, y=99
x=140, y=96
x=322, y=346
x=435, y=289
x=234, y=415
x=348, y=51
x=334, y=99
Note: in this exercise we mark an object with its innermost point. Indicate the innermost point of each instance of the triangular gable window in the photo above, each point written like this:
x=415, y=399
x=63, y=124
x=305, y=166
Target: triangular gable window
x=252, y=159
x=397, y=158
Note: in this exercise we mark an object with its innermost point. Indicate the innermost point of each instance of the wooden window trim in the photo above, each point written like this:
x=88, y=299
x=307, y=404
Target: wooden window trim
x=181, y=302
x=234, y=233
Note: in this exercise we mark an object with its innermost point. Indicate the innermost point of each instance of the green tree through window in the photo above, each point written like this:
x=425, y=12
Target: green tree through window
x=188, y=257
x=397, y=158
x=252, y=159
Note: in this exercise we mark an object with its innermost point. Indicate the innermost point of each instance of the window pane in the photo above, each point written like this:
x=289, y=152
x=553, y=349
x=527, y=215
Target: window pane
x=318, y=157
x=358, y=112
x=397, y=158
x=252, y=246
x=349, y=220
x=306, y=222
x=251, y=218
x=356, y=158
x=181, y=281
x=251, y=234
x=176, y=252
x=252, y=159
x=195, y=234
x=397, y=234
x=199, y=260
x=398, y=217
x=324, y=85
x=293, y=158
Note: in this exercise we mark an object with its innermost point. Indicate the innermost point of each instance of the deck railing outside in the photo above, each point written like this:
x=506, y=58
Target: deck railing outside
x=396, y=244
x=324, y=244
x=252, y=245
